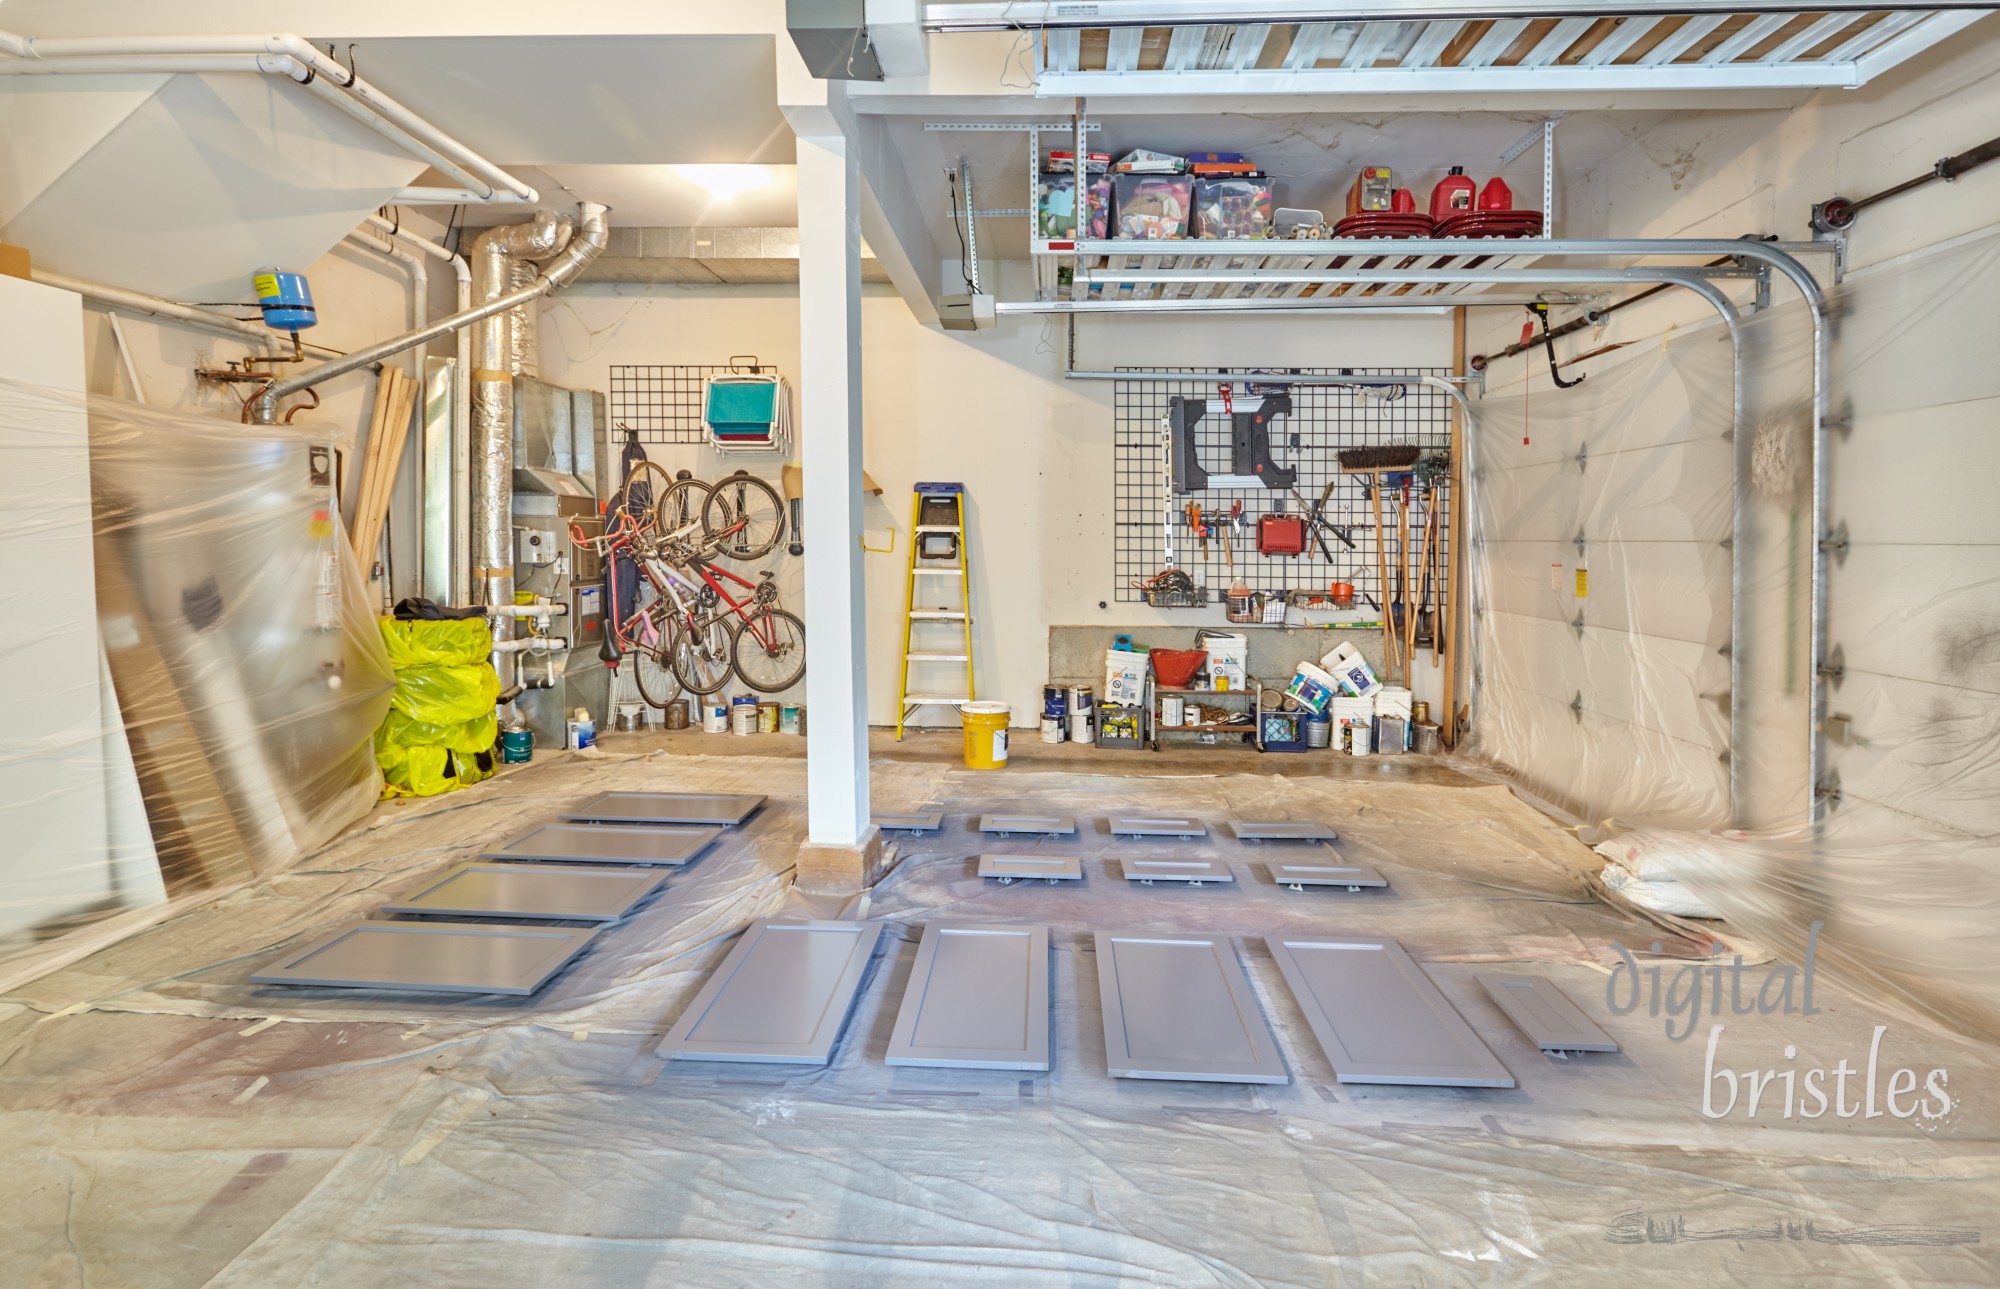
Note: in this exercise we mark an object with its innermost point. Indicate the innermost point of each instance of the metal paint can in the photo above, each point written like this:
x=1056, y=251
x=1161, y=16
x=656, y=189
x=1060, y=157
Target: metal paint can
x=1055, y=702
x=677, y=714
x=631, y=716
x=1052, y=729
x=1081, y=727
x=517, y=745
x=767, y=718
x=1173, y=709
x=714, y=717
x=1319, y=730
x=1420, y=712
x=1430, y=739
x=788, y=719
x=743, y=714
x=1082, y=700
x=1357, y=739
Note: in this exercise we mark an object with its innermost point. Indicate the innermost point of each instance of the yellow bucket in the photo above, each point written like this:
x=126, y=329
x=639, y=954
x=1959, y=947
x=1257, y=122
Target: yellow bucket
x=985, y=734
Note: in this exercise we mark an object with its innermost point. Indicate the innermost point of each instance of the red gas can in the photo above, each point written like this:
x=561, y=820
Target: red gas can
x=1453, y=195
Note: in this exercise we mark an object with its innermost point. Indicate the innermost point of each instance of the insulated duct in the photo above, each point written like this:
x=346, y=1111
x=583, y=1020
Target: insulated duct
x=497, y=358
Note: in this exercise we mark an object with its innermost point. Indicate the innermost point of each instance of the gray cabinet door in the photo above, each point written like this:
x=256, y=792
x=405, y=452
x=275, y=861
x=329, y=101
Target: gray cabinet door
x=1378, y=1017
x=562, y=892
x=608, y=844
x=1179, y=1006
x=1047, y=825
x=1545, y=1014
x=1156, y=826
x=664, y=808
x=1011, y=868
x=432, y=957
x=1175, y=870
x=915, y=821
x=978, y=998
x=1303, y=875
x=781, y=996
x=1281, y=830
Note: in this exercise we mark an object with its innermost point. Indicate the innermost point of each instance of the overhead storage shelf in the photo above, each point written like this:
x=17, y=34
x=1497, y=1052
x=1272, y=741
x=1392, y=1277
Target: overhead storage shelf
x=1114, y=47
x=1414, y=273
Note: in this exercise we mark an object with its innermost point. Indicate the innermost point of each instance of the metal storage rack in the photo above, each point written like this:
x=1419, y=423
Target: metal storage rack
x=1204, y=696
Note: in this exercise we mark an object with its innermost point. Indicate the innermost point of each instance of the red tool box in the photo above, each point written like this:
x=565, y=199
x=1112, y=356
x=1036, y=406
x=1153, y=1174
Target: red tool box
x=1281, y=535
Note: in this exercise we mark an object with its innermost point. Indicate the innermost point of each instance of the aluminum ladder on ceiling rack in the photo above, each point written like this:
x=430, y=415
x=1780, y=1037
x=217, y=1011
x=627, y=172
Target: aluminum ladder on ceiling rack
x=938, y=562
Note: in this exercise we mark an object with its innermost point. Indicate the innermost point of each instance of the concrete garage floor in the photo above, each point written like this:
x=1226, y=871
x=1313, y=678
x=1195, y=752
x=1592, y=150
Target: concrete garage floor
x=164, y=1122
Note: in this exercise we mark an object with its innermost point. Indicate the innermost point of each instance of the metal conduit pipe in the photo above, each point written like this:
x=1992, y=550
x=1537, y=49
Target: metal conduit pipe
x=281, y=54
x=494, y=366
x=461, y=410
x=114, y=297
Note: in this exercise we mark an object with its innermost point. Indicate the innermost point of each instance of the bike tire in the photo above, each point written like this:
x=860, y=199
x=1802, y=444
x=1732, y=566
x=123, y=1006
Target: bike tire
x=639, y=490
x=786, y=666
x=681, y=503
x=658, y=684
x=743, y=496
x=693, y=670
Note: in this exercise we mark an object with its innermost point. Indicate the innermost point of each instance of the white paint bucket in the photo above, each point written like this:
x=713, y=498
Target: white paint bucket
x=714, y=718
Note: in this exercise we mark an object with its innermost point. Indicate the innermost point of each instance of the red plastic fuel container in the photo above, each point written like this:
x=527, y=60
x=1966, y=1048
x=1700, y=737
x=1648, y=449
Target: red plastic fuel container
x=1496, y=195
x=1453, y=194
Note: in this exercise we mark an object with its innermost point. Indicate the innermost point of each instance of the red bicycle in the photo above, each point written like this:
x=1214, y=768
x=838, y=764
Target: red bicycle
x=687, y=626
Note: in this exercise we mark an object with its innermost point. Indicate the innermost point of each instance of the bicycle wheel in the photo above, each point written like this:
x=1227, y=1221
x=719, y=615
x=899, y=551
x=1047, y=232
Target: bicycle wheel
x=657, y=683
x=681, y=505
x=769, y=650
x=640, y=491
x=749, y=511
x=701, y=664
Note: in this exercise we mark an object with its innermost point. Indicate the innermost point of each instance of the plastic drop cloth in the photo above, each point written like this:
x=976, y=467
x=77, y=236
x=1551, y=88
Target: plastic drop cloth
x=165, y=1122
x=198, y=675
x=439, y=733
x=1604, y=637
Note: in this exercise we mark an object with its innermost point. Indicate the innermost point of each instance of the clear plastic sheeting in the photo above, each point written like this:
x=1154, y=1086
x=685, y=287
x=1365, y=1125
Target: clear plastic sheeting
x=237, y=673
x=1607, y=545
x=164, y=1121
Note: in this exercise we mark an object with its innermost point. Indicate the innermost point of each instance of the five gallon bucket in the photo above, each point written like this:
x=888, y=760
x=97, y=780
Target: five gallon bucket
x=985, y=734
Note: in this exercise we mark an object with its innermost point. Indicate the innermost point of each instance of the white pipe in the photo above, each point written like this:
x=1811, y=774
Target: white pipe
x=461, y=409
x=140, y=302
x=284, y=55
x=420, y=281
x=526, y=610
x=532, y=644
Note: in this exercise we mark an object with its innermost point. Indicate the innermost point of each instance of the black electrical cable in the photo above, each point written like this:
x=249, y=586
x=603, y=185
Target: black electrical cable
x=952, y=181
x=1541, y=311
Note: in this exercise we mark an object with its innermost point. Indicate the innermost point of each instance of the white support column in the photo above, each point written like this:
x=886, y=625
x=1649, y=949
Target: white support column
x=837, y=811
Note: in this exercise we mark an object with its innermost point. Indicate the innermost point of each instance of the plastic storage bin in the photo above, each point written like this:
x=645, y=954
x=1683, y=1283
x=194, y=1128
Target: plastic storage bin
x=1120, y=726
x=1055, y=212
x=1152, y=207
x=1233, y=207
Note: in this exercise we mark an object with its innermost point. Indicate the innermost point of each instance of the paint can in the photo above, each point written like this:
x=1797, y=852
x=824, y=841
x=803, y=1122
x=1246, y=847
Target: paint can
x=579, y=731
x=1052, y=729
x=985, y=734
x=714, y=717
x=677, y=714
x=1082, y=729
x=743, y=715
x=631, y=717
x=1082, y=700
x=1357, y=739
x=517, y=745
x=767, y=718
x=1173, y=710
x=1430, y=739
x=1055, y=702
x=1319, y=730
x=1419, y=713
x=789, y=721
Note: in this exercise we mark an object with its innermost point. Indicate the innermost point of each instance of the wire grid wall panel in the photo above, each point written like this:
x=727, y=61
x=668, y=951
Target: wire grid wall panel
x=662, y=403
x=1324, y=419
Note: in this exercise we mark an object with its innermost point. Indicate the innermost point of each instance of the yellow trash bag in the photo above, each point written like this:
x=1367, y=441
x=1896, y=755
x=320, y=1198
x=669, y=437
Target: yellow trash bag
x=440, y=730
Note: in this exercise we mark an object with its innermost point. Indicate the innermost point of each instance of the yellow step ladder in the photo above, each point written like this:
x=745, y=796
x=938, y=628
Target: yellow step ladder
x=937, y=593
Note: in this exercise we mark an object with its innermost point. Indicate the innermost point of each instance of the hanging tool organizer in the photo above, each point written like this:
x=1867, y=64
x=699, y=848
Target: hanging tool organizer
x=1222, y=475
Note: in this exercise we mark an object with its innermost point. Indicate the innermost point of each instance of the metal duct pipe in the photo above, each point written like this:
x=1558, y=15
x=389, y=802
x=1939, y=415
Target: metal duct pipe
x=495, y=363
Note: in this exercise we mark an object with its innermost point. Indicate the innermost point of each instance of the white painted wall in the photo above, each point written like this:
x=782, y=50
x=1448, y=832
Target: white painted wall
x=362, y=298
x=1913, y=480
x=989, y=409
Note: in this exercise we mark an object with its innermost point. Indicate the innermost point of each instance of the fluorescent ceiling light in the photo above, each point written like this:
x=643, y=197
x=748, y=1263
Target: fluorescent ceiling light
x=723, y=182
